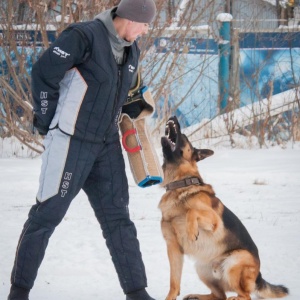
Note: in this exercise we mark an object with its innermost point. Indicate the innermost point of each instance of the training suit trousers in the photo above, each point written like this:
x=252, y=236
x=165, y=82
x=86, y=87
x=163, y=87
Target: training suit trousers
x=69, y=165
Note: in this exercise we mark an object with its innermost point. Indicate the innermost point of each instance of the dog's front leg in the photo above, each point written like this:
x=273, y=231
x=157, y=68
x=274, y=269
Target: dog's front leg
x=192, y=224
x=175, y=256
x=176, y=263
x=205, y=219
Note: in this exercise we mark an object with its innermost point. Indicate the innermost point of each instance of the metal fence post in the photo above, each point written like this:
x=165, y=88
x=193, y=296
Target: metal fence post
x=224, y=61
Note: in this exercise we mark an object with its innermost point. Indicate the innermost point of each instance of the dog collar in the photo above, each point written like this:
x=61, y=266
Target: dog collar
x=183, y=183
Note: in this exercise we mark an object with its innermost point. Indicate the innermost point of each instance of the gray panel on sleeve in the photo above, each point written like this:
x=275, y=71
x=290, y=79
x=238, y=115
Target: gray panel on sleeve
x=54, y=159
x=72, y=91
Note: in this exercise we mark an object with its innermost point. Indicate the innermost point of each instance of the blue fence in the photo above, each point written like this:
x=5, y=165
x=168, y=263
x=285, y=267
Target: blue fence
x=268, y=61
x=26, y=37
x=265, y=59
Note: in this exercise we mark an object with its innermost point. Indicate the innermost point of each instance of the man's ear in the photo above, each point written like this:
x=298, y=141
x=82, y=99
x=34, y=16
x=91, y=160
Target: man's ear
x=200, y=154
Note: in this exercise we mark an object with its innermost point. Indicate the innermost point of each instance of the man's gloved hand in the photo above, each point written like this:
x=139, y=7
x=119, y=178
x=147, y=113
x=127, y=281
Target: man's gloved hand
x=139, y=103
x=134, y=104
x=42, y=130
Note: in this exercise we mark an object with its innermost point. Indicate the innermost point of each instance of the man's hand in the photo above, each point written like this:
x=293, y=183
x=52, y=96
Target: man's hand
x=42, y=130
x=134, y=104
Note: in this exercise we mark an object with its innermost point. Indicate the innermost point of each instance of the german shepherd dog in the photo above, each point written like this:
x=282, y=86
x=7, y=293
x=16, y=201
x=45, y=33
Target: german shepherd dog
x=196, y=223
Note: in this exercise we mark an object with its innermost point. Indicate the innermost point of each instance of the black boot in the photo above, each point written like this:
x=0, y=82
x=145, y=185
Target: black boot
x=138, y=295
x=18, y=293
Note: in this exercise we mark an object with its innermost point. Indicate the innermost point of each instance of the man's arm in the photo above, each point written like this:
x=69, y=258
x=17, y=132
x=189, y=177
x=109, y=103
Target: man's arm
x=68, y=50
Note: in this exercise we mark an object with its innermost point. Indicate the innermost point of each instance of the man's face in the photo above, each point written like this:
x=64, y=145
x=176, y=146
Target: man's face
x=135, y=30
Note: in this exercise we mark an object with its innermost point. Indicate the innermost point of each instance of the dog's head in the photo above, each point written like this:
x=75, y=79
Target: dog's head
x=177, y=149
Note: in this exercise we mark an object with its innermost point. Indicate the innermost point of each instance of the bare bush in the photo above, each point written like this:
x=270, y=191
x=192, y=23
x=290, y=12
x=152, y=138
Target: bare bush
x=166, y=65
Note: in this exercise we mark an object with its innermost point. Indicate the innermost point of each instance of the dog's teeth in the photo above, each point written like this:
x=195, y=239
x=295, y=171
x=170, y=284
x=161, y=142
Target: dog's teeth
x=175, y=127
x=167, y=131
x=168, y=134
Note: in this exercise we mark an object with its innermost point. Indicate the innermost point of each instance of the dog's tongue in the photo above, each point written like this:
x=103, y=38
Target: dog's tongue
x=169, y=124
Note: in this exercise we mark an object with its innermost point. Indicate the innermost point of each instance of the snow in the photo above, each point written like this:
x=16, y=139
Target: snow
x=261, y=186
x=224, y=17
x=273, y=2
x=26, y=26
x=179, y=12
x=244, y=116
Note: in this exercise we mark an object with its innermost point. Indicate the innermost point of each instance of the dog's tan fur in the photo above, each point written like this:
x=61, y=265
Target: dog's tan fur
x=193, y=224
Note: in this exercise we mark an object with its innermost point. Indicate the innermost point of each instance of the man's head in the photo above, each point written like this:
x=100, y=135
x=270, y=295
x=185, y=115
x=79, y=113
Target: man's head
x=140, y=11
x=137, y=15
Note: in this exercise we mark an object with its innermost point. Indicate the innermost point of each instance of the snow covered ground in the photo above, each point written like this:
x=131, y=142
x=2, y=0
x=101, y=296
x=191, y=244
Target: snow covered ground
x=261, y=186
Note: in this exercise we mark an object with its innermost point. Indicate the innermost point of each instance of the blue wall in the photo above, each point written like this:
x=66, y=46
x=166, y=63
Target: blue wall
x=268, y=58
x=264, y=58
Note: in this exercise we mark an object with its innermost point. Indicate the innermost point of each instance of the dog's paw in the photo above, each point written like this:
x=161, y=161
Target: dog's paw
x=173, y=293
x=192, y=226
x=210, y=227
x=171, y=297
x=192, y=297
x=193, y=234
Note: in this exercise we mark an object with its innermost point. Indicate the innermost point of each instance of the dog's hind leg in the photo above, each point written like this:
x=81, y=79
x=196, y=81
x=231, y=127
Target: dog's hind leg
x=175, y=256
x=203, y=297
x=207, y=277
x=239, y=297
x=240, y=271
x=216, y=293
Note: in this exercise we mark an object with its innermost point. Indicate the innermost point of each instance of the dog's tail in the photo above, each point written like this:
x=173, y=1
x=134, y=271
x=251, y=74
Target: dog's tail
x=264, y=289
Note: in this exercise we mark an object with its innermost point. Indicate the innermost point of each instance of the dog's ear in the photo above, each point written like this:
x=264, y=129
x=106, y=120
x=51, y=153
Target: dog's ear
x=200, y=154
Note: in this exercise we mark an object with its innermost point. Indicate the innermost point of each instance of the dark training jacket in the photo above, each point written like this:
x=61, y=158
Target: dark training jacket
x=77, y=85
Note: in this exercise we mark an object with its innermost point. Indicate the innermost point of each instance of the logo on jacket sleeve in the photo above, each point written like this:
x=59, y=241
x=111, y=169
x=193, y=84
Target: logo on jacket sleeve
x=61, y=53
x=65, y=184
x=44, y=102
x=131, y=68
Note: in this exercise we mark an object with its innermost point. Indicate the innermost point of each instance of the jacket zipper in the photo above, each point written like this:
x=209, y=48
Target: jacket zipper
x=115, y=103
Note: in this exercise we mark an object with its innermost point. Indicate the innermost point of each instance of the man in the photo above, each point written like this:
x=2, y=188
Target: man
x=79, y=86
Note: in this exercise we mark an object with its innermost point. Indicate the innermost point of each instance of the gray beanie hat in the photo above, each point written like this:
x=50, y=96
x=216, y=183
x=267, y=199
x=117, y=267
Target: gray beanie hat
x=141, y=11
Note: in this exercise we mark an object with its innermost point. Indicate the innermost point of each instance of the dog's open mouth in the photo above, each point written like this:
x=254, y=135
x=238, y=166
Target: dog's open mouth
x=171, y=133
